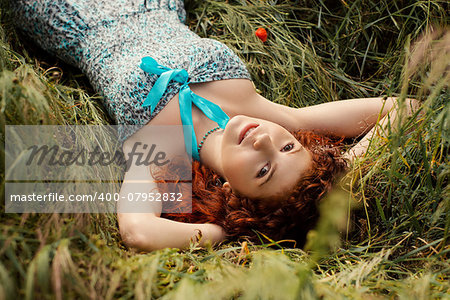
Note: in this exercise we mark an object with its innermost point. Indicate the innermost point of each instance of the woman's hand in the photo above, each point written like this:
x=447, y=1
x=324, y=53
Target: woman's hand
x=389, y=120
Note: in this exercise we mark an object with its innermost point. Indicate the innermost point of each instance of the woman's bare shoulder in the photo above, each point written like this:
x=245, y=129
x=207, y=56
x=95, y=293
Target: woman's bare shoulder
x=227, y=93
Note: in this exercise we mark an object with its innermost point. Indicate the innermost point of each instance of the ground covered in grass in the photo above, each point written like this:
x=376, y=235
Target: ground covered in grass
x=393, y=245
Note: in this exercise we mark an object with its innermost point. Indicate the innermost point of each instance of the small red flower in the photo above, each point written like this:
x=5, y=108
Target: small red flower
x=261, y=33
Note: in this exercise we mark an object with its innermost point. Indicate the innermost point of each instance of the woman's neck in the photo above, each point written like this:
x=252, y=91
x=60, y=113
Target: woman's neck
x=210, y=154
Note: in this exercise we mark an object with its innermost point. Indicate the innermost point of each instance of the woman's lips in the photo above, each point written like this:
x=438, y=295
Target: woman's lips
x=246, y=130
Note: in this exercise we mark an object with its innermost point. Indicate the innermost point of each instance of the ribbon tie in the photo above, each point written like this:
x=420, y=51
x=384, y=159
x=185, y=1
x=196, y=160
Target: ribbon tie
x=186, y=98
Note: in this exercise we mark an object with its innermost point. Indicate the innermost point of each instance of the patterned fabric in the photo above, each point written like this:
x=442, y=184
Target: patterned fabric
x=107, y=39
x=186, y=98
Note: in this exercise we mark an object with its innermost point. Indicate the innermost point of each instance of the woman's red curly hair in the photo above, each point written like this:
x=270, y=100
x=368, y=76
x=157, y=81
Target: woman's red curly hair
x=244, y=217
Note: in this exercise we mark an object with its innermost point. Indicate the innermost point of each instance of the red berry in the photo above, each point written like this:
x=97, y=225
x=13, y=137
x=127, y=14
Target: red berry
x=261, y=33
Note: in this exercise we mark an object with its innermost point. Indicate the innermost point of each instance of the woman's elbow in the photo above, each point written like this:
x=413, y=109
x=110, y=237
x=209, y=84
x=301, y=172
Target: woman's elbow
x=134, y=238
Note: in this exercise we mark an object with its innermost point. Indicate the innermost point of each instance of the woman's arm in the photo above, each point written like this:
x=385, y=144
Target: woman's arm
x=139, y=221
x=148, y=232
x=346, y=118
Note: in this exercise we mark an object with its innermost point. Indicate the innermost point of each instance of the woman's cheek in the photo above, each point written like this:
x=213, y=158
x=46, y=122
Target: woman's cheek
x=236, y=164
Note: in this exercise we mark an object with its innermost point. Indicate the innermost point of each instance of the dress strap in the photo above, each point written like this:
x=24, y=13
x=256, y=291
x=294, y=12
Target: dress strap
x=186, y=98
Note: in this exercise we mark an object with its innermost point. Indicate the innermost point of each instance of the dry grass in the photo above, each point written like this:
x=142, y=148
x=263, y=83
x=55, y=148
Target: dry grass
x=316, y=52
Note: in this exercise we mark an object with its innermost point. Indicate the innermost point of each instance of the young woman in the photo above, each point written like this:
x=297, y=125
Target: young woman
x=152, y=70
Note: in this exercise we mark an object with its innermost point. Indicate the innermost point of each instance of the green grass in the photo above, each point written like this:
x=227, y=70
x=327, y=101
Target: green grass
x=393, y=245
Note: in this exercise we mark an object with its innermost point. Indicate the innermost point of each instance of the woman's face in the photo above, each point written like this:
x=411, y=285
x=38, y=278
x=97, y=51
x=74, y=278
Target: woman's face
x=261, y=159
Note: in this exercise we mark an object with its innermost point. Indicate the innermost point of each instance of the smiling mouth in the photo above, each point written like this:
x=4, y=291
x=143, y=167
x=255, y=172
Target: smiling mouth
x=246, y=131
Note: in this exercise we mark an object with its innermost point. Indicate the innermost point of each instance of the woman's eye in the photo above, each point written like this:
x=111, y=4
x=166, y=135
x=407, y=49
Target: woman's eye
x=287, y=148
x=263, y=171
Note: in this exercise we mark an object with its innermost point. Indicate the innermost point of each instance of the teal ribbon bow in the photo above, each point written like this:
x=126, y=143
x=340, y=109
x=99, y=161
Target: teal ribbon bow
x=186, y=98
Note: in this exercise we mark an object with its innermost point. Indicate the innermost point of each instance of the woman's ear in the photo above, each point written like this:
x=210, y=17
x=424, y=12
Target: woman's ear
x=227, y=186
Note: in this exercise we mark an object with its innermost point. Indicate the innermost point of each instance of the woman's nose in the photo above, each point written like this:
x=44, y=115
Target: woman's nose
x=262, y=142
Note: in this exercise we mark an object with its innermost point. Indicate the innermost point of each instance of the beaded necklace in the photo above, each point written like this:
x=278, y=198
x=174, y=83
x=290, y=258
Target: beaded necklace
x=200, y=145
